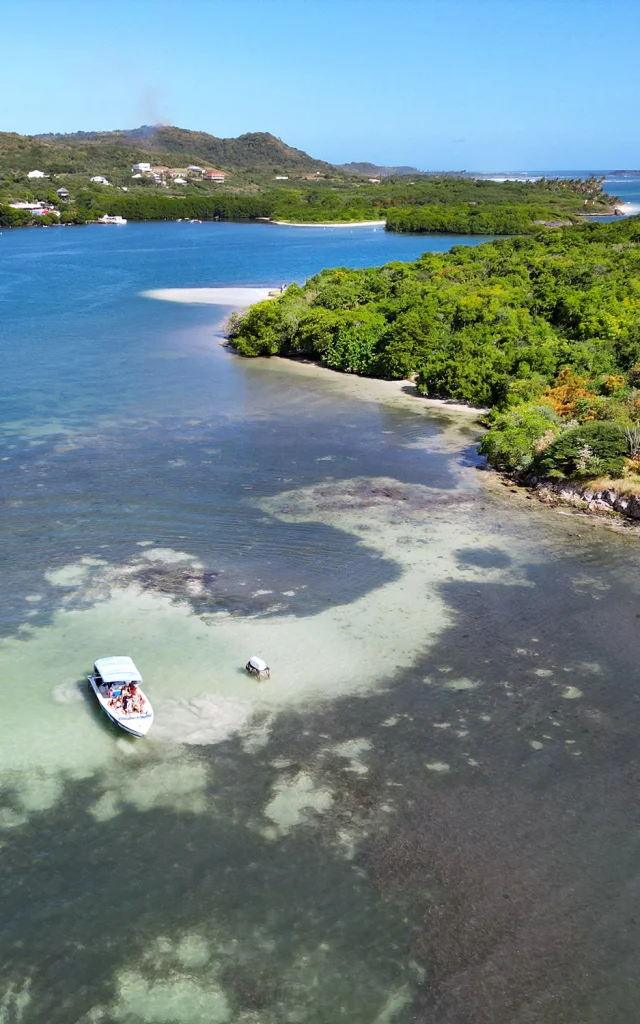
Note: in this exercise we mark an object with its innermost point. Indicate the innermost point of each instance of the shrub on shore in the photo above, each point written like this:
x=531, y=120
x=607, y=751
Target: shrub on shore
x=586, y=450
x=518, y=436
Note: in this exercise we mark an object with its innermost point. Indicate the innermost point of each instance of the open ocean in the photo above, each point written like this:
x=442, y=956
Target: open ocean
x=429, y=813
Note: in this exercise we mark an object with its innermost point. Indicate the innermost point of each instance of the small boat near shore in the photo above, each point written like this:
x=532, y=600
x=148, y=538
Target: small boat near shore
x=115, y=682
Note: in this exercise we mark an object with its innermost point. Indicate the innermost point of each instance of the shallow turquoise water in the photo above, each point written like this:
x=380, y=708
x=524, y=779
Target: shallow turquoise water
x=112, y=402
x=72, y=312
x=428, y=814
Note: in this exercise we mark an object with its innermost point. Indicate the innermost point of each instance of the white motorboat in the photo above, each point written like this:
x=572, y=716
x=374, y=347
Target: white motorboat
x=115, y=683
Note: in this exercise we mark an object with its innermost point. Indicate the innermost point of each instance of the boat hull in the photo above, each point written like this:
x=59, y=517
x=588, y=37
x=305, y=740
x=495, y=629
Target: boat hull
x=135, y=725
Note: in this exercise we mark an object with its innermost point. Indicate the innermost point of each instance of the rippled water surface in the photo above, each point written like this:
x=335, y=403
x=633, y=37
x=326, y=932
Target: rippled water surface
x=429, y=813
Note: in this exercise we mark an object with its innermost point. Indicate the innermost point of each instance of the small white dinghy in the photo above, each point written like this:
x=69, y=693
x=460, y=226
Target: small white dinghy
x=257, y=667
x=115, y=684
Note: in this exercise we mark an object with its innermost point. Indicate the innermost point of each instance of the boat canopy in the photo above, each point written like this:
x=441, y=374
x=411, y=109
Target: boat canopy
x=258, y=664
x=119, y=669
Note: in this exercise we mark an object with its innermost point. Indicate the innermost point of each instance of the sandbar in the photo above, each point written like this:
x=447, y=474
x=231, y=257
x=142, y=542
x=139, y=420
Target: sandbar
x=331, y=224
x=238, y=297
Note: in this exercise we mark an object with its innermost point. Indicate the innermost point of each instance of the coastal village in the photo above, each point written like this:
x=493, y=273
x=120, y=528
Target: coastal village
x=140, y=174
x=161, y=176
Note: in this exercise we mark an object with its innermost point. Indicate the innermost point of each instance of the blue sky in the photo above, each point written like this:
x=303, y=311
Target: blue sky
x=441, y=84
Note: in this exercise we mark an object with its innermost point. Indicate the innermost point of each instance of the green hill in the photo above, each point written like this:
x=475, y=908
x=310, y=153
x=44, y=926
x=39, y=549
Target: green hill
x=367, y=170
x=104, y=152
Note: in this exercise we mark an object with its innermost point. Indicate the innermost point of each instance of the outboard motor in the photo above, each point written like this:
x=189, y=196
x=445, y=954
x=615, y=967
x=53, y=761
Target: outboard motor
x=258, y=667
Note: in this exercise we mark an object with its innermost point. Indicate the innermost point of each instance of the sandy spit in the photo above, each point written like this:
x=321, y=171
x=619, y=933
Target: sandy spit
x=368, y=388
x=238, y=297
x=331, y=224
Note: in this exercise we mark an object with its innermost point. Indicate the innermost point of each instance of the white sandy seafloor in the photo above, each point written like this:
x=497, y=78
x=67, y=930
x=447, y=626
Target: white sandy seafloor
x=193, y=674
x=193, y=670
x=193, y=665
x=188, y=987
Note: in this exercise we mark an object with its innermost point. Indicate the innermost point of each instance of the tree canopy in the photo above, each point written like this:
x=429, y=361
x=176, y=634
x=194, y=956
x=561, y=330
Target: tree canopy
x=544, y=329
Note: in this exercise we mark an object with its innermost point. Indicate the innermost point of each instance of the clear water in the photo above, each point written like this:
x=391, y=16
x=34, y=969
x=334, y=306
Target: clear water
x=429, y=812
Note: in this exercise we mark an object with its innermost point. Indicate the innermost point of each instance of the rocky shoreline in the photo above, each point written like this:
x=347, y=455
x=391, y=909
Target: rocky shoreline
x=584, y=497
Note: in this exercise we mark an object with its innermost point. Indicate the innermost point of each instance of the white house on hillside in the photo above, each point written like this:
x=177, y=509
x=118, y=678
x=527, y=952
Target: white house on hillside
x=142, y=168
x=36, y=174
x=99, y=178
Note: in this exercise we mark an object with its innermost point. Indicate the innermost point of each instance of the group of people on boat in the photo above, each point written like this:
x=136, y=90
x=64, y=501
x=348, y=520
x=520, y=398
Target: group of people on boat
x=125, y=698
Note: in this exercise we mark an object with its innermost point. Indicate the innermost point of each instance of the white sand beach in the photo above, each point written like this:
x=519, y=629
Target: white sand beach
x=238, y=297
x=331, y=224
x=368, y=388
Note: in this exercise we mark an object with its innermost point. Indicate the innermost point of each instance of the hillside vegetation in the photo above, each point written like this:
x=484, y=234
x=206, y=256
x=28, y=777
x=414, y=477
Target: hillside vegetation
x=545, y=330
x=106, y=152
x=264, y=177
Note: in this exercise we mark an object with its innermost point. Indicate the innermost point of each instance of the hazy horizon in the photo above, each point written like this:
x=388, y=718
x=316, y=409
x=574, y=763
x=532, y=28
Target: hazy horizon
x=390, y=162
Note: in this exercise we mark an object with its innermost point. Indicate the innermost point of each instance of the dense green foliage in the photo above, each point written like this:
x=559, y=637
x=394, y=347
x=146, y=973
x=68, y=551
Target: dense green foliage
x=506, y=219
x=512, y=443
x=513, y=211
x=10, y=218
x=452, y=204
x=544, y=329
x=156, y=206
